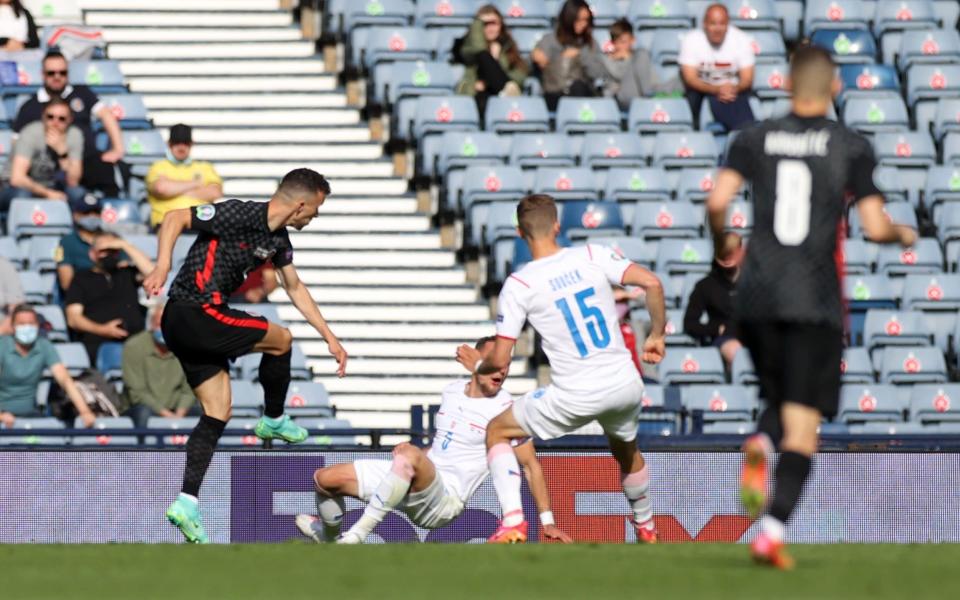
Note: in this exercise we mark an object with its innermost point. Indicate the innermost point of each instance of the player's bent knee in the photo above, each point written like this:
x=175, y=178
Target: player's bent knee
x=410, y=453
x=286, y=340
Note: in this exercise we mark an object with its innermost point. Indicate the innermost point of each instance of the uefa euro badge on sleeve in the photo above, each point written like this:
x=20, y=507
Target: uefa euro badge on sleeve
x=205, y=212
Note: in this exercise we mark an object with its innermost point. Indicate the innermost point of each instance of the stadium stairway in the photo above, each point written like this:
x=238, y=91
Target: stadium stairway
x=261, y=104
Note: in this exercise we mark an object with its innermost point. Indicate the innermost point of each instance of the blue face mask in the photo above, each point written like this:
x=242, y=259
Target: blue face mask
x=177, y=161
x=90, y=223
x=26, y=334
x=158, y=337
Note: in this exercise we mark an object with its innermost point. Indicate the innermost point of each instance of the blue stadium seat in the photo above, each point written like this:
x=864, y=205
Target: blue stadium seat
x=566, y=183
x=856, y=367
x=308, y=399
x=861, y=403
x=895, y=186
x=932, y=82
x=41, y=252
x=665, y=46
x=868, y=80
x=530, y=150
x=935, y=403
x=110, y=360
x=947, y=220
x=905, y=149
x=939, y=46
x=834, y=14
x=38, y=217
x=917, y=364
x=869, y=289
x=103, y=76
x=583, y=115
x=382, y=13
x=53, y=322
x=768, y=47
x=895, y=328
x=635, y=249
x=517, y=114
x=740, y=217
x=582, y=218
x=942, y=187
x=695, y=184
x=692, y=149
x=948, y=11
x=489, y=183
x=395, y=82
x=526, y=39
x=128, y=109
x=183, y=426
x=436, y=114
x=122, y=216
x=10, y=250
x=605, y=12
x=719, y=402
x=142, y=147
x=674, y=329
x=659, y=14
x=951, y=148
x=106, y=439
x=446, y=13
x=692, y=365
x=684, y=256
x=37, y=288
x=26, y=424
x=859, y=256
x=524, y=13
x=931, y=292
x=666, y=220
x=947, y=117
x=373, y=45
x=924, y=257
x=247, y=439
x=74, y=357
x=770, y=80
x=847, y=46
x=247, y=398
x=893, y=18
x=652, y=115
x=754, y=14
x=638, y=185
x=461, y=149
x=608, y=150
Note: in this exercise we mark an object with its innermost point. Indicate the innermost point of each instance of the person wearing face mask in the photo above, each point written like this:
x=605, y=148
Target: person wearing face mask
x=73, y=253
x=153, y=380
x=713, y=295
x=178, y=181
x=23, y=357
x=102, y=304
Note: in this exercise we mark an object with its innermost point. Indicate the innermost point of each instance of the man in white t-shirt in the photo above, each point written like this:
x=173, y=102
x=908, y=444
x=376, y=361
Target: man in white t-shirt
x=566, y=295
x=717, y=62
x=432, y=486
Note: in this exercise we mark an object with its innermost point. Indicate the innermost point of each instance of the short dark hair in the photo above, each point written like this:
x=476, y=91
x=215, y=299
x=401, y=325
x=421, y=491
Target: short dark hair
x=53, y=53
x=536, y=215
x=58, y=101
x=484, y=341
x=304, y=181
x=21, y=309
x=812, y=71
x=620, y=27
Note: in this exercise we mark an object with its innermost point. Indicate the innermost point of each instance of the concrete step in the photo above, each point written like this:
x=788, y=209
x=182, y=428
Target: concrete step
x=249, y=188
x=259, y=118
x=377, y=420
x=133, y=35
x=359, y=206
x=300, y=135
x=365, y=241
x=391, y=223
x=375, y=295
x=387, y=277
x=409, y=385
x=267, y=69
x=266, y=83
x=359, y=348
x=299, y=49
x=375, y=260
x=259, y=101
x=304, y=152
x=225, y=6
x=331, y=170
x=208, y=18
x=339, y=313
x=457, y=333
x=400, y=366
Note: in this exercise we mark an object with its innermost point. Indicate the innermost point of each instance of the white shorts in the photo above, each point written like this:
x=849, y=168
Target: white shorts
x=430, y=508
x=549, y=413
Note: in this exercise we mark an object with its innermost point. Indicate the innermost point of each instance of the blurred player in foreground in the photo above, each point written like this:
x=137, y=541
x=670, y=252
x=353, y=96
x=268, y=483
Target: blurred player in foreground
x=431, y=486
x=204, y=333
x=788, y=299
x=566, y=295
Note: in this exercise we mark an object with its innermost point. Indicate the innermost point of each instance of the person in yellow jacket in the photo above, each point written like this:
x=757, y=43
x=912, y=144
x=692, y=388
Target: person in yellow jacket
x=179, y=181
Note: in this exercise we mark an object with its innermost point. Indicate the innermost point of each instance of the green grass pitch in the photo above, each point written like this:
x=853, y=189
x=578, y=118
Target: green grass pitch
x=452, y=572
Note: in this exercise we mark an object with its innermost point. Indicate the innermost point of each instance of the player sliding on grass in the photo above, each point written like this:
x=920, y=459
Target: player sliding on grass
x=431, y=487
x=788, y=295
x=205, y=334
x=566, y=295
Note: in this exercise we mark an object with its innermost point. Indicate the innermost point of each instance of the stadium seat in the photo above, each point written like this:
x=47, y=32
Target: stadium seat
x=38, y=217
x=768, y=47
x=110, y=360
x=382, y=13
x=247, y=398
x=74, y=357
x=25, y=425
x=583, y=115
x=695, y=184
x=873, y=115
x=947, y=220
x=308, y=399
x=638, y=185
x=935, y=403
x=583, y=218
x=856, y=367
x=942, y=187
x=659, y=14
x=398, y=81
x=566, y=183
x=526, y=40
x=892, y=19
x=859, y=256
x=946, y=118
x=436, y=114
x=675, y=335
x=693, y=149
x=834, y=14
x=739, y=217
x=635, y=249
x=652, y=115
x=860, y=403
x=769, y=80
x=896, y=187
x=543, y=150
x=122, y=216
x=142, y=147
x=685, y=256
x=928, y=83
x=870, y=81
x=931, y=292
x=461, y=149
x=692, y=365
x=11, y=251
x=605, y=12
x=951, y=148
x=936, y=46
x=37, y=287
x=248, y=438
x=729, y=428
x=445, y=13
x=895, y=328
x=900, y=213
x=374, y=45
x=924, y=257
x=666, y=220
x=754, y=14
x=665, y=46
x=917, y=364
x=719, y=402
x=608, y=150
x=128, y=109
x=905, y=149
x=847, y=46
x=105, y=439
x=516, y=114
x=524, y=13
x=182, y=425
x=485, y=184
x=41, y=252
x=53, y=322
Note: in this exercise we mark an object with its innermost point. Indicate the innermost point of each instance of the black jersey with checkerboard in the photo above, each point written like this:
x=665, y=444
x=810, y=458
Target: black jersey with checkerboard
x=234, y=238
x=802, y=171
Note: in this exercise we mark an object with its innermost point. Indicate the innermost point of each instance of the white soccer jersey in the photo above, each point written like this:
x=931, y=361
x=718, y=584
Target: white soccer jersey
x=459, y=450
x=568, y=299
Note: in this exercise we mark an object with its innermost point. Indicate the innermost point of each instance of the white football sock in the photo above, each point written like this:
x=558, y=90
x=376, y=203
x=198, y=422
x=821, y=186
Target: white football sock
x=636, y=487
x=331, y=512
x=505, y=472
x=391, y=491
x=773, y=527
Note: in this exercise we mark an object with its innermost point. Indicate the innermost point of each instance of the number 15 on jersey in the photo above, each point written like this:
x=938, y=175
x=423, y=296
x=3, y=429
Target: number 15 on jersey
x=591, y=317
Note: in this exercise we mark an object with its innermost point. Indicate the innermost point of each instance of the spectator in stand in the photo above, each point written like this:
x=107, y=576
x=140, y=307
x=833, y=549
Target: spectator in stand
x=98, y=169
x=73, y=254
x=713, y=295
x=103, y=303
x=11, y=294
x=47, y=158
x=257, y=287
x=631, y=71
x=717, y=62
x=493, y=63
x=569, y=59
x=179, y=181
x=17, y=28
x=23, y=357
x=153, y=380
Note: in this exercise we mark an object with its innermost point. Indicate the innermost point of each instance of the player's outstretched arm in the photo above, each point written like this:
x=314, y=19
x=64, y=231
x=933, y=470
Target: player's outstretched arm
x=496, y=359
x=527, y=456
x=174, y=222
x=725, y=188
x=877, y=225
x=654, y=346
x=300, y=296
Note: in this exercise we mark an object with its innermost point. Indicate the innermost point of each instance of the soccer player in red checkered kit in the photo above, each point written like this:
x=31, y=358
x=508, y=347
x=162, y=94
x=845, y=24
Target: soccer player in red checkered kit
x=204, y=333
x=802, y=168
